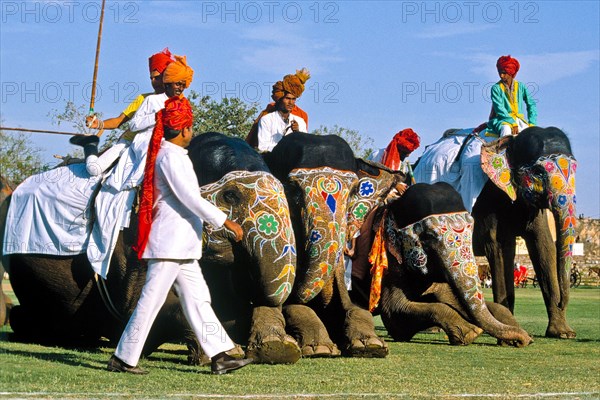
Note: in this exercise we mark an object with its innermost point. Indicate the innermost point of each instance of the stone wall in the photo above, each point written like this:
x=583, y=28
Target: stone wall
x=588, y=233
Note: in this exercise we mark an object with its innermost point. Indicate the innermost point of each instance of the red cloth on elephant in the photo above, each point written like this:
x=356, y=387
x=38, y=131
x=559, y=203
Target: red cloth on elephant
x=403, y=143
x=252, y=138
x=177, y=115
x=160, y=61
x=508, y=64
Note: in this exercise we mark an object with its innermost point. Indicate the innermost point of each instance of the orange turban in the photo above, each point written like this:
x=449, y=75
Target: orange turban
x=292, y=84
x=508, y=64
x=178, y=71
x=404, y=142
x=159, y=61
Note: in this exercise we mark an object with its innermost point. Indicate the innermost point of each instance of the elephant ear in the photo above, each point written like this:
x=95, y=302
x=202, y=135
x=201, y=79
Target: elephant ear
x=495, y=164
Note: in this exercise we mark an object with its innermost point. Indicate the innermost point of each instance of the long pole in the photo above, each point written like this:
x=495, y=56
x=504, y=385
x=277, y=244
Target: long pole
x=4, y=128
x=93, y=96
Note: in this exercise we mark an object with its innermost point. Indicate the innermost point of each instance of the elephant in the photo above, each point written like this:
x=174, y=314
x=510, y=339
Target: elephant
x=528, y=173
x=5, y=301
x=321, y=179
x=414, y=265
x=536, y=170
x=61, y=301
x=248, y=283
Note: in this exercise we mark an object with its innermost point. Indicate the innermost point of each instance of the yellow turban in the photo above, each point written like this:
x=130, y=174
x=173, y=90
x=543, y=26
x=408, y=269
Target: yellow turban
x=292, y=84
x=178, y=71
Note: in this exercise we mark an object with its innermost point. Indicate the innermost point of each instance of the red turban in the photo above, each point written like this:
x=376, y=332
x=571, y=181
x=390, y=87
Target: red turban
x=508, y=64
x=177, y=115
x=178, y=71
x=159, y=61
x=403, y=143
x=292, y=84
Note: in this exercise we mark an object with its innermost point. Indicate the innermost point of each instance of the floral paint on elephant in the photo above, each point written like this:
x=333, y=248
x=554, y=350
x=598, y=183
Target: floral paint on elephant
x=454, y=242
x=550, y=181
x=494, y=162
x=326, y=192
x=265, y=220
x=371, y=192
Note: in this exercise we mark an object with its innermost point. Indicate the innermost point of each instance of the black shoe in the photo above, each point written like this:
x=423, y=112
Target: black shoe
x=223, y=363
x=82, y=140
x=116, y=365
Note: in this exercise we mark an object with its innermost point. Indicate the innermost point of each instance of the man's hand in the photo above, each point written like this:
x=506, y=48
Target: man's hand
x=514, y=130
x=91, y=121
x=294, y=125
x=235, y=228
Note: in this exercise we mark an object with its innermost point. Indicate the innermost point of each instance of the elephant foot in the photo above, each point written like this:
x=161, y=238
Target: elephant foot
x=462, y=335
x=275, y=350
x=320, y=351
x=372, y=347
x=563, y=332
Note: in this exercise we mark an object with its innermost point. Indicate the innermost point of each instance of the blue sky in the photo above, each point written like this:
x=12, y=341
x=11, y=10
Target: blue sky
x=377, y=67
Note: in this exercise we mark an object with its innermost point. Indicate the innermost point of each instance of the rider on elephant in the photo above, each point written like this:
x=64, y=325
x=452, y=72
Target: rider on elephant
x=97, y=165
x=283, y=116
x=507, y=117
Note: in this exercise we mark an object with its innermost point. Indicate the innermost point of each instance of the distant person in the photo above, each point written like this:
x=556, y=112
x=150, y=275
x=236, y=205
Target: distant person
x=96, y=165
x=283, y=116
x=395, y=155
x=170, y=239
x=507, y=116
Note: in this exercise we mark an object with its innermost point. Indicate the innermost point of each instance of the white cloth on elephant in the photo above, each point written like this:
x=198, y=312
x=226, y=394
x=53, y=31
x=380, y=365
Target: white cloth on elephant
x=272, y=128
x=115, y=199
x=466, y=176
x=50, y=213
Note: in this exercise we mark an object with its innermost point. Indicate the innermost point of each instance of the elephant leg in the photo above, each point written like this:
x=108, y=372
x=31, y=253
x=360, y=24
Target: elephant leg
x=542, y=253
x=349, y=325
x=404, y=318
x=304, y=325
x=268, y=342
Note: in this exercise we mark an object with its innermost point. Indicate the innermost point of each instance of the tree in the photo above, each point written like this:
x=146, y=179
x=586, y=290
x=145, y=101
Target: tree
x=19, y=158
x=230, y=116
x=361, y=145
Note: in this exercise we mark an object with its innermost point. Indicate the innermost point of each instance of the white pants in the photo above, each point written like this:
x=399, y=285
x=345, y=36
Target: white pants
x=195, y=301
x=506, y=130
x=97, y=165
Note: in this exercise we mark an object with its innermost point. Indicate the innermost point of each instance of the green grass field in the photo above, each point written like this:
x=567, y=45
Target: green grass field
x=424, y=368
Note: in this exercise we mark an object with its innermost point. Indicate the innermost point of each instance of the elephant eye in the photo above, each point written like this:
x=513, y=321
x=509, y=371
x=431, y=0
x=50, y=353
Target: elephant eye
x=231, y=197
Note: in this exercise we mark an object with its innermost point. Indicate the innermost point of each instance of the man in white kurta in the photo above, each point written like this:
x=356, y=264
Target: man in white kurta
x=172, y=248
x=274, y=126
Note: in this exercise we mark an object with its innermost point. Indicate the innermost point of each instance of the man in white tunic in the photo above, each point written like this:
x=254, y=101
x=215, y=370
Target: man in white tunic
x=172, y=244
x=282, y=117
x=115, y=199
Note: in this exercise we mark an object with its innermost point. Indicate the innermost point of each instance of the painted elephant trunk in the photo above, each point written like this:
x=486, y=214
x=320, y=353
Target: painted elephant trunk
x=325, y=193
x=561, y=193
x=452, y=248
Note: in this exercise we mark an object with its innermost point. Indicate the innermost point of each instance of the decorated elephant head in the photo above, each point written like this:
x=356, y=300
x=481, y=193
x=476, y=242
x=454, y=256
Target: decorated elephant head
x=375, y=183
x=538, y=167
x=256, y=200
x=322, y=196
x=438, y=248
